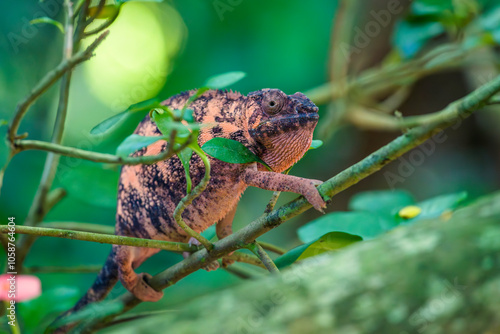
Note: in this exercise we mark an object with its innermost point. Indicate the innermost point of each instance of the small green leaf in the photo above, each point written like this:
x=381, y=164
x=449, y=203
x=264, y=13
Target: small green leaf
x=165, y=123
x=48, y=20
x=115, y=121
x=328, y=242
x=435, y=207
x=380, y=201
x=365, y=224
x=316, y=144
x=110, y=123
x=134, y=143
x=185, y=156
x=224, y=80
x=144, y=105
x=230, y=151
x=106, y=12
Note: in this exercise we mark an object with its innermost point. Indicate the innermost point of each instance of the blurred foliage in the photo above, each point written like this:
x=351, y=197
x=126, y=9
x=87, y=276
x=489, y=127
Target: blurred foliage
x=159, y=49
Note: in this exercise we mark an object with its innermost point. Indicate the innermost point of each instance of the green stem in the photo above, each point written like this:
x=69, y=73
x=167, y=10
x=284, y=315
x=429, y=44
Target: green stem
x=101, y=238
x=46, y=82
x=92, y=156
x=264, y=257
x=188, y=199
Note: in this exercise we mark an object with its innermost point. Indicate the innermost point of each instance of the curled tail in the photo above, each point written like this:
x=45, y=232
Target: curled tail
x=106, y=280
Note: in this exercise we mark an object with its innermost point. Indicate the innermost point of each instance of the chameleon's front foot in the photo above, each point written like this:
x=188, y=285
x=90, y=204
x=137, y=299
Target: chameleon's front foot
x=144, y=291
x=283, y=182
x=312, y=195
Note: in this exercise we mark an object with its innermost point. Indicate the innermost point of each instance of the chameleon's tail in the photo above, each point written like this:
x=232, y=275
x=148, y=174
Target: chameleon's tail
x=106, y=280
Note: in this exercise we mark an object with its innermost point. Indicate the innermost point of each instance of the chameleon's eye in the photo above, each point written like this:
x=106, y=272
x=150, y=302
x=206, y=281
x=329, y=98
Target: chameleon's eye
x=272, y=107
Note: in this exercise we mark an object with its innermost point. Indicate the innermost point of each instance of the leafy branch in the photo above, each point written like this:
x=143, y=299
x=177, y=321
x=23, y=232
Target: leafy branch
x=454, y=112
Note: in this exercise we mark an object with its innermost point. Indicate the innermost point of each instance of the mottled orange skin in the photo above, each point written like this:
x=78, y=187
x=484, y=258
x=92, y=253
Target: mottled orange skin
x=275, y=126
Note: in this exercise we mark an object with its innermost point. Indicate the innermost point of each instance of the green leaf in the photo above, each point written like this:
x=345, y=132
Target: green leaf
x=230, y=151
x=134, y=143
x=224, y=80
x=365, y=224
x=328, y=242
x=316, y=144
x=384, y=201
x=165, y=123
x=185, y=156
x=115, y=121
x=435, y=207
x=110, y=124
x=48, y=20
x=144, y=105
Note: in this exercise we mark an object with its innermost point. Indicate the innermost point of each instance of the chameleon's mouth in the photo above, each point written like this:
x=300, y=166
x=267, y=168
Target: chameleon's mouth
x=289, y=122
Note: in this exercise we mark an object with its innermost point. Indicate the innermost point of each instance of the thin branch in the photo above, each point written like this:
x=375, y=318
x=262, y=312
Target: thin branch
x=47, y=81
x=264, y=257
x=352, y=175
x=245, y=258
x=272, y=202
x=78, y=226
x=272, y=248
x=378, y=81
x=102, y=238
x=24, y=145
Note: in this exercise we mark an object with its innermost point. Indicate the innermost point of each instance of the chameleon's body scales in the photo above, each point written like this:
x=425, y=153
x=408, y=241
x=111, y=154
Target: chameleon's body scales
x=276, y=127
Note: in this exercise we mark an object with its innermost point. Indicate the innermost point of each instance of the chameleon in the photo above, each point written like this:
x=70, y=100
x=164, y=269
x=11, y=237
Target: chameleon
x=276, y=127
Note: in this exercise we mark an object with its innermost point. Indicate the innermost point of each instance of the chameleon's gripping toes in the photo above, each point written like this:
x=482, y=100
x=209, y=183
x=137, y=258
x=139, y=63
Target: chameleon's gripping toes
x=276, y=127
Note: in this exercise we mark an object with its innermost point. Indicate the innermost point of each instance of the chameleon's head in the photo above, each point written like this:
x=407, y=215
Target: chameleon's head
x=282, y=124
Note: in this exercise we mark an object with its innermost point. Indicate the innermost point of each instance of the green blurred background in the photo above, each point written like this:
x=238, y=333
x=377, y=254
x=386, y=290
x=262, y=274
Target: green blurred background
x=161, y=49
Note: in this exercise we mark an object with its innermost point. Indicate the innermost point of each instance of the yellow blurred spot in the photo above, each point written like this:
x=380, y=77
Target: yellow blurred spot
x=410, y=211
x=133, y=62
